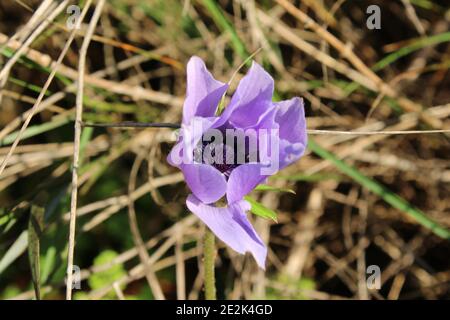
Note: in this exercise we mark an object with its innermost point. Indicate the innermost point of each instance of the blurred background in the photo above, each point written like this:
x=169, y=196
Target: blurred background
x=370, y=215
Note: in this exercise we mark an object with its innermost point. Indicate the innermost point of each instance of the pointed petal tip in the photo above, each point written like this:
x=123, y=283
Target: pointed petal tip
x=203, y=92
x=196, y=59
x=230, y=224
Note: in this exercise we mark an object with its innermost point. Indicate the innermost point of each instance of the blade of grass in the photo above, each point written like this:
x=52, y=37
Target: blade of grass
x=28, y=86
x=48, y=264
x=15, y=251
x=416, y=45
x=391, y=58
x=224, y=25
x=35, y=229
x=311, y=177
x=86, y=136
x=36, y=130
x=8, y=53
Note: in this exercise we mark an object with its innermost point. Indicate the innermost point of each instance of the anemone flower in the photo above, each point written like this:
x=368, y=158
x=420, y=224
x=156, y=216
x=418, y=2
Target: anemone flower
x=219, y=181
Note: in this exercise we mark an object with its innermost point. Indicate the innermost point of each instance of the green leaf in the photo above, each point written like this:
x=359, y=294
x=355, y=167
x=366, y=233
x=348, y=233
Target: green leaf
x=260, y=210
x=10, y=292
x=298, y=287
x=35, y=230
x=48, y=263
x=265, y=187
x=311, y=177
x=101, y=279
x=7, y=221
x=15, y=251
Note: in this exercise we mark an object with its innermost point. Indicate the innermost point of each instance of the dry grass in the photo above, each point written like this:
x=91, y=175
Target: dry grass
x=129, y=66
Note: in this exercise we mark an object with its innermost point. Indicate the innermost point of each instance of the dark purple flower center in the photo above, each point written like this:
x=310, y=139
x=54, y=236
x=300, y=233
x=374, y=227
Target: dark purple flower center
x=221, y=156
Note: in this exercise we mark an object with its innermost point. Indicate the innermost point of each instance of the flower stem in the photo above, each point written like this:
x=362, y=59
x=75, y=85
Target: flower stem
x=209, y=253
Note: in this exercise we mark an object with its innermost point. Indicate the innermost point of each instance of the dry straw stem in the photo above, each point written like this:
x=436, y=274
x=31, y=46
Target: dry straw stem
x=123, y=201
x=107, y=41
x=369, y=133
x=385, y=161
x=135, y=92
x=137, y=239
x=22, y=34
x=118, y=291
x=412, y=15
x=77, y=139
x=31, y=24
x=52, y=14
x=136, y=273
x=13, y=60
x=364, y=76
x=155, y=260
x=130, y=125
x=180, y=269
x=53, y=99
x=407, y=121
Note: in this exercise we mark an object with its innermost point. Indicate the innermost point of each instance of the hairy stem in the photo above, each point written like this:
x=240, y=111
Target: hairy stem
x=209, y=253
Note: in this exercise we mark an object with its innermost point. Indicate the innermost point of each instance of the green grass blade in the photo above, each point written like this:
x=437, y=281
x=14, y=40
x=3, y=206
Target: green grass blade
x=35, y=229
x=224, y=25
x=391, y=58
x=48, y=264
x=36, y=130
x=15, y=251
x=416, y=45
x=8, y=53
x=316, y=177
x=86, y=136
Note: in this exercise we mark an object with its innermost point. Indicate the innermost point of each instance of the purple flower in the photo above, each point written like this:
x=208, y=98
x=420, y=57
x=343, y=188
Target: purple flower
x=278, y=128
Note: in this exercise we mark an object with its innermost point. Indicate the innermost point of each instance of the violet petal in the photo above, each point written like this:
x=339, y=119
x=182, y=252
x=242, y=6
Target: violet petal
x=230, y=224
